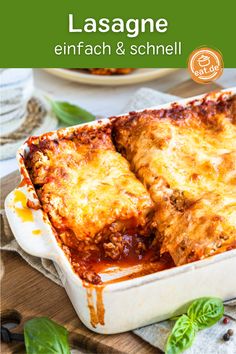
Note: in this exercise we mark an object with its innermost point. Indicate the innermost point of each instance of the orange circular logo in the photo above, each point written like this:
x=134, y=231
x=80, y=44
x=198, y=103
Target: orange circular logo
x=205, y=65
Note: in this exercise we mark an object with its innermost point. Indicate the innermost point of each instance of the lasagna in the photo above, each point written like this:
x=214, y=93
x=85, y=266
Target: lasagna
x=95, y=203
x=155, y=188
x=107, y=71
x=110, y=71
x=186, y=158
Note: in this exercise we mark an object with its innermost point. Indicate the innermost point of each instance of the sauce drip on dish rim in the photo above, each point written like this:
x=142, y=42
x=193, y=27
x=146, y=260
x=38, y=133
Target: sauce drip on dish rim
x=24, y=213
x=96, y=310
x=36, y=232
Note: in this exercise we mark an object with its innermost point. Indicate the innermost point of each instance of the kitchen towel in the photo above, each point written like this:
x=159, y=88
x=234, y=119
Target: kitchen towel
x=208, y=341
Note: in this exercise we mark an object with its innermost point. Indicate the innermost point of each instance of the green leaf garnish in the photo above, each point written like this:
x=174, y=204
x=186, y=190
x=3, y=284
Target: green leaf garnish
x=71, y=114
x=182, y=335
x=202, y=313
x=205, y=312
x=43, y=335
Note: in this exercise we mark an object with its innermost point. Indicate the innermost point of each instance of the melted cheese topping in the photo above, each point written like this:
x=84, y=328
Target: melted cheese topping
x=189, y=168
x=87, y=190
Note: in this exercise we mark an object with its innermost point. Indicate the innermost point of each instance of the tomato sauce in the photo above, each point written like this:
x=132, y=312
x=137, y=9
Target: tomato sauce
x=149, y=260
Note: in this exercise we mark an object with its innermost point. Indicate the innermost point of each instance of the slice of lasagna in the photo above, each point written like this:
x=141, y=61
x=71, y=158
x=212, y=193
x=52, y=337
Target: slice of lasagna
x=186, y=158
x=95, y=203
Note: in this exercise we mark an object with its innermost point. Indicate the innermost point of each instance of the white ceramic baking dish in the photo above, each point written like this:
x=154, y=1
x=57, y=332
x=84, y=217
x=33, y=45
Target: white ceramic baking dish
x=124, y=305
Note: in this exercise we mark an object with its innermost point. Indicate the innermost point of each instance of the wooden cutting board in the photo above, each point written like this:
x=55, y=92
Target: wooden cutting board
x=26, y=293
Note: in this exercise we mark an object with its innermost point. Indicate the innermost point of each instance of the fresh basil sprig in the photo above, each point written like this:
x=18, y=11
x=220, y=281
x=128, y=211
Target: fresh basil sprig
x=206, y=311
x=202, y=313
x=71, y=114
x=182, y=335
x=43, y=335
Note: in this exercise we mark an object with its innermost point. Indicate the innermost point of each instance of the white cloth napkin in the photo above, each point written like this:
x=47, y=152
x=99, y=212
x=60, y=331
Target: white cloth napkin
x=208, y=341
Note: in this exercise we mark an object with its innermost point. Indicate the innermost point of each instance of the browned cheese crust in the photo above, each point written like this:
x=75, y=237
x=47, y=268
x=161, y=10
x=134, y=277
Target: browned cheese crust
x=94, y=202
x=186, y=158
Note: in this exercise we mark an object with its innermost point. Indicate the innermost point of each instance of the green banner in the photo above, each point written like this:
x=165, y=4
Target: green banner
x=79, y=34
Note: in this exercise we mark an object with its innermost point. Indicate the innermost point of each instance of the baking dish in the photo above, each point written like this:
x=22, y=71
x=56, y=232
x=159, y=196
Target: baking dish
x=123, y=305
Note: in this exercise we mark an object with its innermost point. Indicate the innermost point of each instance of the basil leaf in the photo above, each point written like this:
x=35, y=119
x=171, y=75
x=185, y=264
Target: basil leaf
x=182, y=336
x=71, y=114
x=45, y=336
x=206, y=311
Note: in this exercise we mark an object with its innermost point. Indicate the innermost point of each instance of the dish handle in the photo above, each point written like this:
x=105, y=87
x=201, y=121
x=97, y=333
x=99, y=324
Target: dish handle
x=31, y=231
